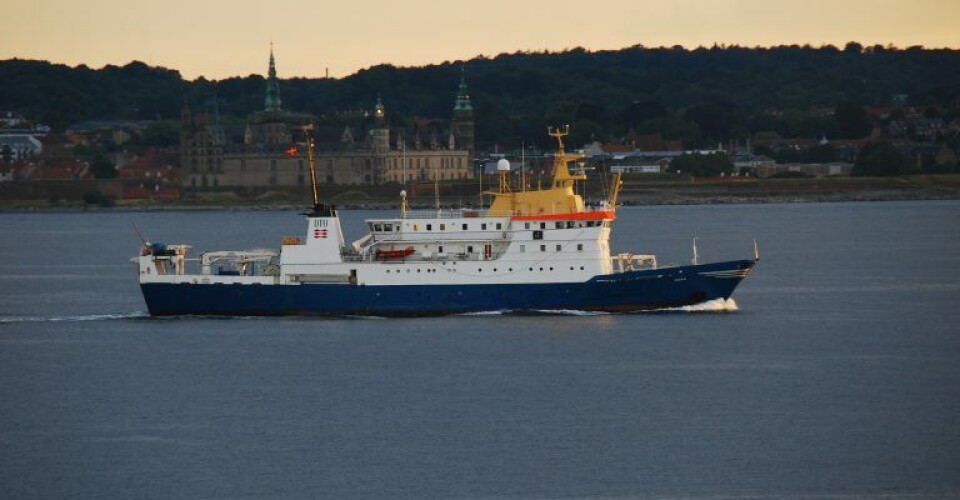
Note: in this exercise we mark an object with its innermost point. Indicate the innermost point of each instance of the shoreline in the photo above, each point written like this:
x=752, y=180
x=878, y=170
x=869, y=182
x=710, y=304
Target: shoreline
x=660, y=199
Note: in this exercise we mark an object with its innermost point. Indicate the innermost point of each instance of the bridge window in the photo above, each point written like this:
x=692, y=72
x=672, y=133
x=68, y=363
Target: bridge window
x=499, y=226
x=579, y=246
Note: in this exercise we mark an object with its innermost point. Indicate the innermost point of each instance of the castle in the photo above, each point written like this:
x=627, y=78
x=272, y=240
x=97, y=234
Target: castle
x=268, y=155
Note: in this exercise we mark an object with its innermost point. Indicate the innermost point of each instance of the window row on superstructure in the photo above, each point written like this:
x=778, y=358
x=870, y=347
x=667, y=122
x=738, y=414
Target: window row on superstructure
x=480, y=270
x=388, y=227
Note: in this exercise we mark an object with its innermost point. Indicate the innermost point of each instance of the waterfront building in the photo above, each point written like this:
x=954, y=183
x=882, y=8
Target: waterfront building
x=273, y=151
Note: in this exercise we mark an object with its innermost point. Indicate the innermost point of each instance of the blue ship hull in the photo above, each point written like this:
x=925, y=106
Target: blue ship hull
x=621, y=292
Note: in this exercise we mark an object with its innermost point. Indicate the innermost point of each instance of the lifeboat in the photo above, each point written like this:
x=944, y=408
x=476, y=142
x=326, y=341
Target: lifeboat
x=394, y=254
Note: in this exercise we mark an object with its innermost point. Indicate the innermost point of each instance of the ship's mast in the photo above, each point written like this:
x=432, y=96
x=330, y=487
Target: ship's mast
x=319, y=210
x=561, y=173
x=523, y=166
x=308, y=131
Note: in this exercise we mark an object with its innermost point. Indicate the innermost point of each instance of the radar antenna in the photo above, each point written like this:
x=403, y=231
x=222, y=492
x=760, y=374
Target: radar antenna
x=559, y=133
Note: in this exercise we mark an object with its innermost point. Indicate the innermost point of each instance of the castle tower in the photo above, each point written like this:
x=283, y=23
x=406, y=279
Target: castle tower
x=381, y=144
x=463, y=131
x=381, y=131
x=271, y=101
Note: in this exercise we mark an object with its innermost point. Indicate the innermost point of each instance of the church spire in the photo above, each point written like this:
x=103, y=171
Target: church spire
x=463, y=97
x=272, y=100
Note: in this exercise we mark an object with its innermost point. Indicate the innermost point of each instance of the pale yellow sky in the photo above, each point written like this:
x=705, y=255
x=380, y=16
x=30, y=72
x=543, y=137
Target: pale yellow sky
x=219, y=39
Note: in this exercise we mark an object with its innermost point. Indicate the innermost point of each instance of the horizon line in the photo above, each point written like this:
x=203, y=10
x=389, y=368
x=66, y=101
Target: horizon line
x=546, y=51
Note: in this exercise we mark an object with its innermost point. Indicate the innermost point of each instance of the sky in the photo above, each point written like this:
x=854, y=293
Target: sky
x=218, y=39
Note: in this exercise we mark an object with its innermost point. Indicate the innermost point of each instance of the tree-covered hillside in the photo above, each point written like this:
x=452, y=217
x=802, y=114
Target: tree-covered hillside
x=700, y=96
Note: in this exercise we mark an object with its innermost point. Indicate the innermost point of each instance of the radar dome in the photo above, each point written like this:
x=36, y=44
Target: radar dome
x=503, y=165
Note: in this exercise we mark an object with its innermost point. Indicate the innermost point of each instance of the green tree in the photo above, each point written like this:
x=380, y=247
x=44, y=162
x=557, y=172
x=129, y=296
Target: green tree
x=715, y=121
x=710, y=165
x=102, y=167
x=852, y=120
x=853, y=48
x=879, y=158
x=641, y=111
x=161, y=134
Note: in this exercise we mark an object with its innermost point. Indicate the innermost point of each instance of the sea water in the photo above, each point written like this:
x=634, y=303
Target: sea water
x=834, y=372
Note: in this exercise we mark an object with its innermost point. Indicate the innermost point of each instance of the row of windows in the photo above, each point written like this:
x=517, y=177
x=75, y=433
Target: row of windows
x=203, y=182
x=569, y=224
x=389, y=228
x=523, y=248
x=543, y=248
x=494, y=226
x=425, y=176
x=479, y=270
x=415, y=162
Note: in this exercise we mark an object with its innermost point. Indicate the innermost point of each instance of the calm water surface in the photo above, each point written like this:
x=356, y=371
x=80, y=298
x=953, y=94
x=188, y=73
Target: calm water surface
x=839, y=374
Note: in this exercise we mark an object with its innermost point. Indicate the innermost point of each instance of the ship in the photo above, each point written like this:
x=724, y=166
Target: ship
x=539, y=249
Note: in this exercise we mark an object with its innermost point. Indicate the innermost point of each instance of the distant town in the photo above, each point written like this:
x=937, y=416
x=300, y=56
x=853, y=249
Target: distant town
x=204, y=158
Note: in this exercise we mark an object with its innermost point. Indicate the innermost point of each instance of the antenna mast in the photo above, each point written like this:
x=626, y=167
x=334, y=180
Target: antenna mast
x=308, y=132
x=523, y=166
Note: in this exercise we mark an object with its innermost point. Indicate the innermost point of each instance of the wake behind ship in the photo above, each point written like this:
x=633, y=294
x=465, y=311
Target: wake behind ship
x=531, y=250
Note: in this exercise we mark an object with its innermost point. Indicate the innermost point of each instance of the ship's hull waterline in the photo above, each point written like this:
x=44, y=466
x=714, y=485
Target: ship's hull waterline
x=622, y=292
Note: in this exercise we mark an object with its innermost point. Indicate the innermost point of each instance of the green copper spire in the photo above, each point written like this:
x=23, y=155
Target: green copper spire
x=272, y=101
x=463, y=97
